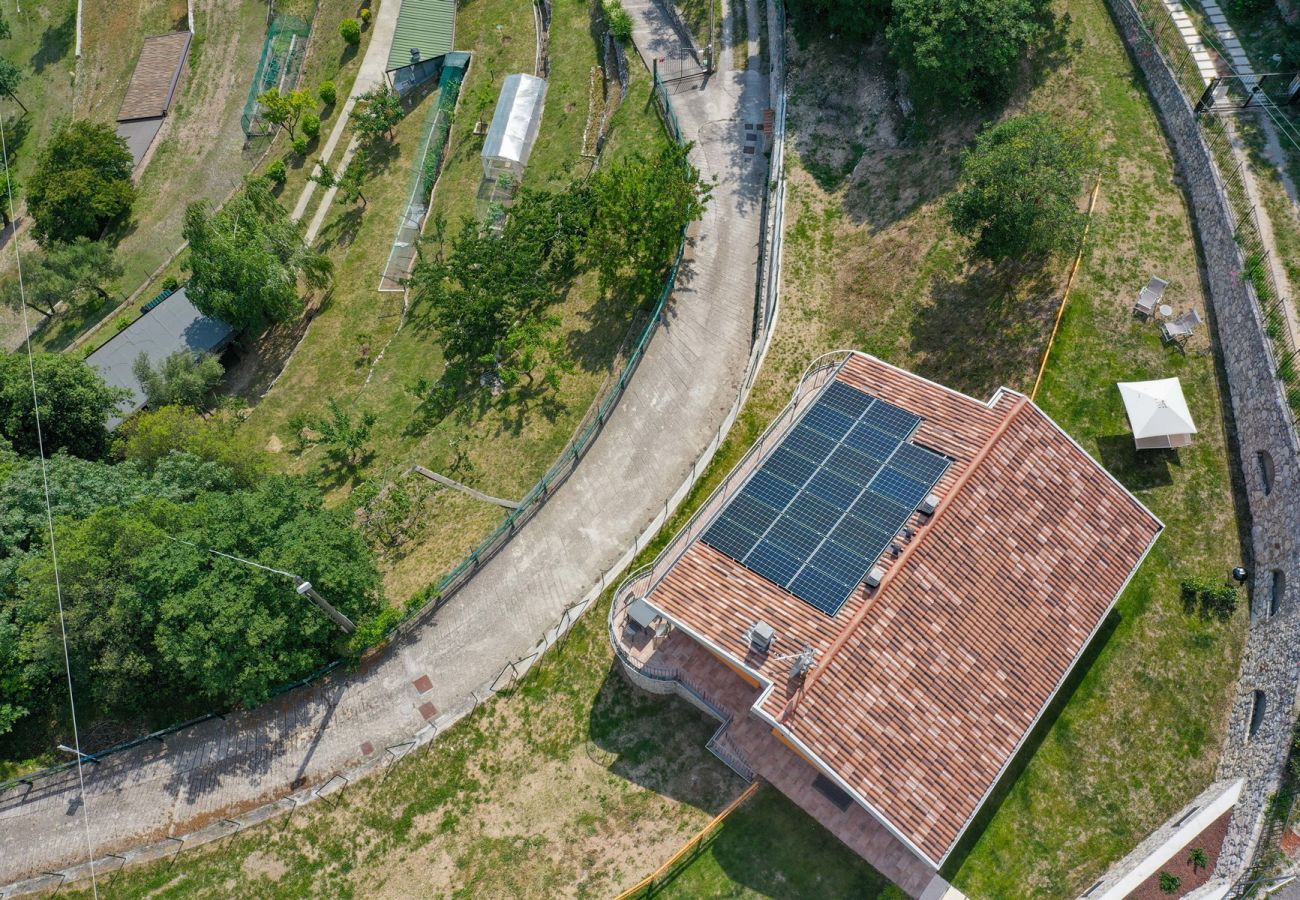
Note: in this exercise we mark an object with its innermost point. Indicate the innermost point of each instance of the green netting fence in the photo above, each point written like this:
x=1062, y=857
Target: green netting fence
x=437, y=129
x=279, y=66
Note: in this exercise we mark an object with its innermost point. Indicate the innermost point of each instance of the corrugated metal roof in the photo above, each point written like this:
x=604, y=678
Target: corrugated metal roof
x=175, y=324
x=429, y=25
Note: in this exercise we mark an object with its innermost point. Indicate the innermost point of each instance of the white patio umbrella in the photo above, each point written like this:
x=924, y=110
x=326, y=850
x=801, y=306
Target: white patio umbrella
x=1158, y=413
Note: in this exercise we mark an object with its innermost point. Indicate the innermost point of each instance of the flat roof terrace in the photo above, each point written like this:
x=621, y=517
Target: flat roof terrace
x=924, y=687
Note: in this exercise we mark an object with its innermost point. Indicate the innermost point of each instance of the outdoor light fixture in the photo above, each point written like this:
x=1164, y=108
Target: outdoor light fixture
x=1240, y=575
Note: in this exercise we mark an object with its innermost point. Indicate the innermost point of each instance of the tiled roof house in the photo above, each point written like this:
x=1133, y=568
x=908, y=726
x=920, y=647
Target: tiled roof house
x=922, y=688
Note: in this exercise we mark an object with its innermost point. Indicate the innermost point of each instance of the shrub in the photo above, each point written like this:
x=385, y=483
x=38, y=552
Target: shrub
x=350, y=31
x=300, y=144
x=277, y=171
x=1213, y=597
x=365, y=17
x=120, y=323
x=1169, y=882
x=171, y=283
x=620, y=23
x=311, y=126
x=327, y=93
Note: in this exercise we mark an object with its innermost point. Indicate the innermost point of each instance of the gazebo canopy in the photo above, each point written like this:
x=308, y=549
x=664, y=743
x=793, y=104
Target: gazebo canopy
x=1158, y=412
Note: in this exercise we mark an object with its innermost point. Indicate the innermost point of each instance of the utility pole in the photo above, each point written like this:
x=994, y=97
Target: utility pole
x=304, y=586
x=306, y=590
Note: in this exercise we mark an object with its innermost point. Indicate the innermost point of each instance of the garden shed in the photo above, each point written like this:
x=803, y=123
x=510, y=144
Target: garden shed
x=514, y=127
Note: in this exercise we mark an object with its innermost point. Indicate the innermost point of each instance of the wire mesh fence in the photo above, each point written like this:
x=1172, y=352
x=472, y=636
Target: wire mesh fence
x=279, y=66
x=425, y=175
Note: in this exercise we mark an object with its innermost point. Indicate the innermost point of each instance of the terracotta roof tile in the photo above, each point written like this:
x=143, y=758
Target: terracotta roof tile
x=924, y=702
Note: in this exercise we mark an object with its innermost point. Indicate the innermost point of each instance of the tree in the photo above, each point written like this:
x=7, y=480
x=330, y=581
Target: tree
x=72, y=273
x=855, y=20
x=82, y=183
x=245, y=260
x=961, y=51
x=235, y=632
x=350, y=31
x=9, y=191
x=349, y=184
x=327, y=93
x=345, y=438
x=10, y=77
x=85, y=265
x=184, y=379
x=489, y=295
x=75, y=405
x=1019, y=187
x=379, y=115
x=154, y=437
x=285, y=110
x=643, y=205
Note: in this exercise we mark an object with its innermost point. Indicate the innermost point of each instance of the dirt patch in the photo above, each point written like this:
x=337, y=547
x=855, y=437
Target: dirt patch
x=263, y=865
x=1180, y=865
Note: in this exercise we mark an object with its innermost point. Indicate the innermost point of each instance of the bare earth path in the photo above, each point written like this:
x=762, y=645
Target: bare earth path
x=674, y=405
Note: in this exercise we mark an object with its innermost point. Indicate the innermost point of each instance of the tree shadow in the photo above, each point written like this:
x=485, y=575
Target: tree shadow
x=1029, y=748
x=1137, y=470
x=658, y=742
x=56, y=43
x=17, y=128
x=341, y=230
x=986, y=328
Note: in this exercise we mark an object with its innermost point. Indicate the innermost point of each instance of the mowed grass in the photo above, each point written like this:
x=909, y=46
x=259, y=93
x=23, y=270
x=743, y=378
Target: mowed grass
x=501, y=446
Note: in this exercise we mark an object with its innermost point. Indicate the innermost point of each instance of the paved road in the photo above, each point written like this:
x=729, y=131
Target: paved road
x=682, y=391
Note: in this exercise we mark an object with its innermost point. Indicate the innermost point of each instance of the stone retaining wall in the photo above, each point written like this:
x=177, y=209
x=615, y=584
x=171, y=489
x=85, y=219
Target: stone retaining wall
x=1261, y=429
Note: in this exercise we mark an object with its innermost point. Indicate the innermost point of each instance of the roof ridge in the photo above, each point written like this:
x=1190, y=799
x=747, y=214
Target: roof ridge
x=852, y=625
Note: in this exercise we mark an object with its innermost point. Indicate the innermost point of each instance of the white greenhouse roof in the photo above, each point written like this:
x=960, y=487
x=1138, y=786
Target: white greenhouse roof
x=516, y=120
x=1156, y=408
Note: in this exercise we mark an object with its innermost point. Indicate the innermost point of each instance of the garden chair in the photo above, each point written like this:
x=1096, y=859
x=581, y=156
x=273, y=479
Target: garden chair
x=1149, y=298
x=1181, y=328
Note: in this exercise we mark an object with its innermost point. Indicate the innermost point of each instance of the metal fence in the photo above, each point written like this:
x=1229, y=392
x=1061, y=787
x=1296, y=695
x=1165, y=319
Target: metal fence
x=279, y=66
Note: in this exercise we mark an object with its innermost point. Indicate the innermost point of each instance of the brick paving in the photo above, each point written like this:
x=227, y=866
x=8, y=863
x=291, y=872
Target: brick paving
x=679, y=397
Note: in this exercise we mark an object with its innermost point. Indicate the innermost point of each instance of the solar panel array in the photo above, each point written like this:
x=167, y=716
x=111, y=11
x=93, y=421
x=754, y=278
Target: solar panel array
x=820, y=510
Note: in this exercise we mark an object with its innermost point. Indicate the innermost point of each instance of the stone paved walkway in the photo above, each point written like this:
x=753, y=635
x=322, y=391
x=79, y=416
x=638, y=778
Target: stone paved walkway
x=681, y=393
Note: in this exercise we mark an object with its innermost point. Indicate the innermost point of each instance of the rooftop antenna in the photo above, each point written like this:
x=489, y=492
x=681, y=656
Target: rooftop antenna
x=804, y=660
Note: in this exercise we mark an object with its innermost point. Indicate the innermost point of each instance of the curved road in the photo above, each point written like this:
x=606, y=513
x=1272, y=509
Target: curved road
x=686, y=383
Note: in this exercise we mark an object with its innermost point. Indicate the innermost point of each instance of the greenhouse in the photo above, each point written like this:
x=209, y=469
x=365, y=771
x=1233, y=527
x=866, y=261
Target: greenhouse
x=514, y=126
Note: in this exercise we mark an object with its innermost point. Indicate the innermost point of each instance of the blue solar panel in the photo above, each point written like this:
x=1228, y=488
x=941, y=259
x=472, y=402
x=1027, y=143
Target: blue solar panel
x=868, y=440
x=896, y=486
x=774, y=563
x=842, y=398
x=825, y=505
x=814, y=512
x=773, y=491
x=891, y=420
x=827, y=421
x=809, y=443
x=822, y=591
x=851, y=464
x=790, y=466
x=794, y=537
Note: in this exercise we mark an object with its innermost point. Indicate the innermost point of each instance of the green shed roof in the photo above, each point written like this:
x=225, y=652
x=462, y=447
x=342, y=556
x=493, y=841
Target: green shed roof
x=427, y=24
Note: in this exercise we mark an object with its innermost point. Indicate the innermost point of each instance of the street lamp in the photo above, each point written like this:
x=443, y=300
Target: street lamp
x=304, y=587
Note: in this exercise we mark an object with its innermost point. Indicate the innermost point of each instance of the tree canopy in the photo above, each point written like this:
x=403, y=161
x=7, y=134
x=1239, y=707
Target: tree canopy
x=82, y=183
x=1020, y=186
x=489, y=291
x=246, y=259
x=75, y=273
x=852, y=19
x=381, y=110
x=75, y=405
x=153, y=436
x=182, y=379
x=158, y=628
x=958, y=52
x=286, y=109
